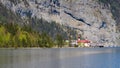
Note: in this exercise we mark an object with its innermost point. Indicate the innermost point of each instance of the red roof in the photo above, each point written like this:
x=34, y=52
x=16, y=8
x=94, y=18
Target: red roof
x=83, y=41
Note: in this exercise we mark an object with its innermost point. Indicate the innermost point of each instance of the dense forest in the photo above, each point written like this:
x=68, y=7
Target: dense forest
x=15, y=32
x=31, y=31
x=15, y=35
x=12, y=35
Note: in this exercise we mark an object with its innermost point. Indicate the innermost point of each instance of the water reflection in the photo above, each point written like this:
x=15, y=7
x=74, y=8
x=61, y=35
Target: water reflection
x=60, y=58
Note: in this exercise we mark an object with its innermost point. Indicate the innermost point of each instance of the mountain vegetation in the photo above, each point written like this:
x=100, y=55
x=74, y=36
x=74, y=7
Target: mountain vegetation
x=12, y=35
x=98, y=20
x=7, y=15
x=31, y=32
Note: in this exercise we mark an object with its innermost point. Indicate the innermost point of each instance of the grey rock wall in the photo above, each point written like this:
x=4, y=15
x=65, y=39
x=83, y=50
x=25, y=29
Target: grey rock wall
x=91, y=19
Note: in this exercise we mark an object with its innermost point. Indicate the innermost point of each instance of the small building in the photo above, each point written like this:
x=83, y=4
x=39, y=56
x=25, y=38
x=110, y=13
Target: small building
x=83, y=43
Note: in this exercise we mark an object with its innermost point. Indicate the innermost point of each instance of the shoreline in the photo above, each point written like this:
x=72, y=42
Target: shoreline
x=55, y=47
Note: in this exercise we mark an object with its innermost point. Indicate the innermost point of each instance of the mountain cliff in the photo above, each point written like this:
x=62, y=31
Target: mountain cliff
x=95, y=20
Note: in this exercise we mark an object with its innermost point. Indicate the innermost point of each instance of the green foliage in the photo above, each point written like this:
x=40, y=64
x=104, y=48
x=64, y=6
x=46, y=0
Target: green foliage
x=45, y=41
x=30, y=32
x=59, y=40
x=27, y=35
x=12, y=35
x=52, y=28
x=11, y=28
x=2, y=19
x=7, y=16
x=4, y=37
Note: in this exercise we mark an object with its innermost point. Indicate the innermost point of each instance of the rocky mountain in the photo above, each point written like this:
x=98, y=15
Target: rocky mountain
x=93, y=19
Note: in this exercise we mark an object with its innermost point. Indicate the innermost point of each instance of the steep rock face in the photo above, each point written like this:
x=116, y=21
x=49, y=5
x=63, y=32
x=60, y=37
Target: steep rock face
x=91, y=19
x=94, y=19
x=115, y=9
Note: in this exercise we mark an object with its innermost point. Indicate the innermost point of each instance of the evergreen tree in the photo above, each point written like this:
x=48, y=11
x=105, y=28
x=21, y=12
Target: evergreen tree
x=59, y=40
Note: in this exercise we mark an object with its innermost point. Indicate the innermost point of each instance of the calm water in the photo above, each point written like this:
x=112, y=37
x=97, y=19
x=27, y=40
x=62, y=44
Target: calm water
x=60, y=58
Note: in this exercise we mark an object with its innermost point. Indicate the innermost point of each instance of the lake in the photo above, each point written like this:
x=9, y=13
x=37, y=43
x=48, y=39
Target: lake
x=60, y=58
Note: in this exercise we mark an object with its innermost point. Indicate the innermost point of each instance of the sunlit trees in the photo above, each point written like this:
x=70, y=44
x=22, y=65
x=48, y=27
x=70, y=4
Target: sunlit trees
x=4, y=37
x=59, y=40
x=45, y=41
x=12, y=35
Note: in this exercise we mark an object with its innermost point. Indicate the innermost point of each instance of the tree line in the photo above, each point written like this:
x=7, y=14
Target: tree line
x=31, y=31
x=13, y=35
